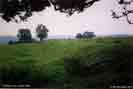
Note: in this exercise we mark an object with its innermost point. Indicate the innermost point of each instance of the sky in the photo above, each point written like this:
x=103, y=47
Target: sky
x=96, y=19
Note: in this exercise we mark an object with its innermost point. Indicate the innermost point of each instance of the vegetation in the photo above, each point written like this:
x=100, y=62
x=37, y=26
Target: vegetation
x=78, y=35
x=12, y=8
x=41, y=31
x=85, y=35
x=24, y=35
x=70, y=64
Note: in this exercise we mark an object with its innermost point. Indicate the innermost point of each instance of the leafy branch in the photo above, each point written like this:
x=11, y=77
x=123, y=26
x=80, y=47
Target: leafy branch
x=126, y=11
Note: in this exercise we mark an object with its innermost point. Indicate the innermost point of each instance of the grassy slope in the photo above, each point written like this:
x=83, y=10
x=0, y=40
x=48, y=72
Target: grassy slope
x=36, y=60
x=104, y=63
x=45, y=62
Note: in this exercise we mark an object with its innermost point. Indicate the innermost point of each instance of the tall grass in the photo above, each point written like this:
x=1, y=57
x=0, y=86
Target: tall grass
x=92, y=63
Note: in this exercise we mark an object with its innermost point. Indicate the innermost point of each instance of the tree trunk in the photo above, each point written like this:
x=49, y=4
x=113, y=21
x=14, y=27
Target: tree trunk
x=41, y=39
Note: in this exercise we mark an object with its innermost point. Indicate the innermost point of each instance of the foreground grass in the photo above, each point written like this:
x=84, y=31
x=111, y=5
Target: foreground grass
x=67, y=63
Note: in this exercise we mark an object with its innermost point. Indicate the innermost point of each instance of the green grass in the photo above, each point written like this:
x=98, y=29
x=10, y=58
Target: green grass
x=55, y=62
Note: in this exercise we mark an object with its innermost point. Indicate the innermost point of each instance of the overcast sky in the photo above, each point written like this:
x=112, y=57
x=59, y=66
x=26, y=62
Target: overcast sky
x=96, y=18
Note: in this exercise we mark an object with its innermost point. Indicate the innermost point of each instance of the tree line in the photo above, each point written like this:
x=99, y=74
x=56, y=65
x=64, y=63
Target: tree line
x=24, y=35
x=85, y=35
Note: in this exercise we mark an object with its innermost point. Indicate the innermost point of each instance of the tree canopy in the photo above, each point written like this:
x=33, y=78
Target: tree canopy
x=24, y=35
x=41, y=31
x=126, y=10
x=22, y=9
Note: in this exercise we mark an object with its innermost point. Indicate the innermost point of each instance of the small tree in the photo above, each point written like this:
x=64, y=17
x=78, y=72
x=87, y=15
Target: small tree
x=41, y=31
x=24, y=35
x=88, y=35
x=79, y=36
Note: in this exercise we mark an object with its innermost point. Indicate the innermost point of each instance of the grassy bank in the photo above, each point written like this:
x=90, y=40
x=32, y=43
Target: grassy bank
x=98, y=62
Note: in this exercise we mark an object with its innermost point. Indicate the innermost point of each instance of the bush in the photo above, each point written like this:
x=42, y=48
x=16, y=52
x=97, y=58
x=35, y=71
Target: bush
x=10, y=42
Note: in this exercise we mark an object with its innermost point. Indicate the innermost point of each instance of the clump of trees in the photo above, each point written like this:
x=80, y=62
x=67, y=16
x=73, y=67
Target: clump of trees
x=25, y=36
x=11, y=42
x=85, y=35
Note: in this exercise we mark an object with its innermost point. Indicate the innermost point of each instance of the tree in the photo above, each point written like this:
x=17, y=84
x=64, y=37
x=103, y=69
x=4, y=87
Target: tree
x=41, y=31
x=125, y=12
x=24, y=35
x=10, y=9
x=88, y=34
x=79, y=36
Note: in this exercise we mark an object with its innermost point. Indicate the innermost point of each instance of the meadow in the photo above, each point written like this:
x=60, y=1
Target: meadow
x=70, y=64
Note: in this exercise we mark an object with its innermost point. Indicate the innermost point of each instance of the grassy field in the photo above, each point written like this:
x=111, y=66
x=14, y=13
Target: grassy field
x=85, y=63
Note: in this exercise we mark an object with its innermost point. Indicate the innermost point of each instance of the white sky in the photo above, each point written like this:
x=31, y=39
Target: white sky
x=96, y=18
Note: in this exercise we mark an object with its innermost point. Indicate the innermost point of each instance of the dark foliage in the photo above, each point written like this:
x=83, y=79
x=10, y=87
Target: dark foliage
x=10, y=42
x=126, y=12
x=88, y=35
x=70, y=6
x=11, y=9
x=85, y=35
x=24, y=35
x=79, y=36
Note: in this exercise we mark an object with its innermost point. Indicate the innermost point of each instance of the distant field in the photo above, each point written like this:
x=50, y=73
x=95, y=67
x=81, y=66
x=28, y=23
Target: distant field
x=67, y=63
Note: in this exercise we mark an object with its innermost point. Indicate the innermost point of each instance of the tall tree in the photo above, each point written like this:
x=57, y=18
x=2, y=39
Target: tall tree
x=41, y=31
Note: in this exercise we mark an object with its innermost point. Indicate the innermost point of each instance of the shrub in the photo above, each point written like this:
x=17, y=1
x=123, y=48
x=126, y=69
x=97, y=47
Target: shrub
x=10, y=42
